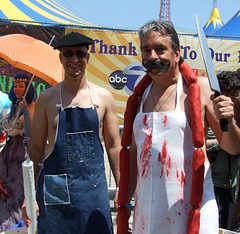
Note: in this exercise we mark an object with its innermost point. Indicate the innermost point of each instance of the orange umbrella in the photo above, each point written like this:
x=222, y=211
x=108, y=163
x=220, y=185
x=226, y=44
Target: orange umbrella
x=32, y=55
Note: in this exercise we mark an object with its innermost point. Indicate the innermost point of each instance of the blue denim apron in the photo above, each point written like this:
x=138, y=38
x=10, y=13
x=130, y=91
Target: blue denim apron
x=72, y=191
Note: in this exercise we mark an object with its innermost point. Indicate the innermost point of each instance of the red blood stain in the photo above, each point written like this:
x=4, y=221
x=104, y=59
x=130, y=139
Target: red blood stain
x=167, y=172
x=169, y=162
x=165, y=121
x=159, y=158
x=143, y=223
x=146, y=155
x=164, y=152
x=178, y=213
x=170, y=220
x=145, y=120
x=182, y=178
x=165, y=160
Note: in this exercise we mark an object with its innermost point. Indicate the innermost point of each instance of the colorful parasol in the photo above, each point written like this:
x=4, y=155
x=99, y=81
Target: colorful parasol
x=33, y=56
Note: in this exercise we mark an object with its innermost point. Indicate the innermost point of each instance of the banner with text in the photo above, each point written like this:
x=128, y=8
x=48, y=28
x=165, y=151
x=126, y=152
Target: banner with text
x=115, y=61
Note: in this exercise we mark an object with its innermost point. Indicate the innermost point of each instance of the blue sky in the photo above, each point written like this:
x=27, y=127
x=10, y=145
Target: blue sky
x=132, y=14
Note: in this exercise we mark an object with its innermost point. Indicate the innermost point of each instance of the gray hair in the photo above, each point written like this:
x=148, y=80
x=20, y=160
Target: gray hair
x=165, y=28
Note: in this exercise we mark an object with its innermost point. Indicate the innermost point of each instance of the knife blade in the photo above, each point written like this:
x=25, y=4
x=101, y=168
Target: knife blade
x=212, y=77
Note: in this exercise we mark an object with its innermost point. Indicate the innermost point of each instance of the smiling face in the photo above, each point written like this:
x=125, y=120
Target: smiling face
x=158, y=47
x=74, y=61
x=19, y=89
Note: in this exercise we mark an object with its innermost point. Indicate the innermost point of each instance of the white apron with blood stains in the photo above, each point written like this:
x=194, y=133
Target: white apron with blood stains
x=164, y=160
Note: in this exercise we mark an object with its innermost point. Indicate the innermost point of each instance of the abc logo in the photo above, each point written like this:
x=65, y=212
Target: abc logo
x=118, y=79
x=135, y=72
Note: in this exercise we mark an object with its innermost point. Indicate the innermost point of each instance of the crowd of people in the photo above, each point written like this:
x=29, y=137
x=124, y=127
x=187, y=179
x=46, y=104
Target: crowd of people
x=183, y=179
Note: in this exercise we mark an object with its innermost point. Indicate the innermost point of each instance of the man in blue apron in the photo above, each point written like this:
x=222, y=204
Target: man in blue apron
x=72, y=192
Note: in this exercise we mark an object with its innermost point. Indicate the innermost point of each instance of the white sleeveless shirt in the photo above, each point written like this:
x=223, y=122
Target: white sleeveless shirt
x=164, y=161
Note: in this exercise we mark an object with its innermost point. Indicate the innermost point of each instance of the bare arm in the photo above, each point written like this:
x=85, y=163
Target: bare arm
x=133, y=170
x=28, y=115
x=215, y=109
x=211, y=142
x=39, y=134
x=211, y=145
x=111, y=136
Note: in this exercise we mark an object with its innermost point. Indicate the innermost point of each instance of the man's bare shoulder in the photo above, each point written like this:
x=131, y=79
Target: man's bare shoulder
x=104, y=99
x=206, y=93
x=203, y=81
x=49, y=95
x=48, y=99
x=204, y=85
x=50, y=92
x=100, y=91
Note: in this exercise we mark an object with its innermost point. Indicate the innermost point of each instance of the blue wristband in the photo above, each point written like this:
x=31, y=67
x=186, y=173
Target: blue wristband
x=128, y=205
x=215, y=145
x=25, y=113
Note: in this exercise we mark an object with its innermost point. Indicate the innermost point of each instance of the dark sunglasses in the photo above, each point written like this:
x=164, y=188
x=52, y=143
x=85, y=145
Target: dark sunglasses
x=70, y=53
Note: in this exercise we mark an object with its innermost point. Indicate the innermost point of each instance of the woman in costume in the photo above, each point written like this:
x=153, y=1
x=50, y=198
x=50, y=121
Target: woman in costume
x=13, y=153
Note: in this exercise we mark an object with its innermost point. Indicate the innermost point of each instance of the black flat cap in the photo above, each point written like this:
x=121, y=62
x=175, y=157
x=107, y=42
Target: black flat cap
x=74, y=39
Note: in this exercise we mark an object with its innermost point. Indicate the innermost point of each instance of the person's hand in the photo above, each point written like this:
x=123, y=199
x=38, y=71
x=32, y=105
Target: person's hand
x=129, y=231
x=25, y=217
x=116, y=200
x=223, y=107
x=128, y=217
x=23, y=105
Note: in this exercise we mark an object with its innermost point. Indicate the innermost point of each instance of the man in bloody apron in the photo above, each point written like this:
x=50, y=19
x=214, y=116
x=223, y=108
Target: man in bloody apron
x=72, y=192
x=165, y=125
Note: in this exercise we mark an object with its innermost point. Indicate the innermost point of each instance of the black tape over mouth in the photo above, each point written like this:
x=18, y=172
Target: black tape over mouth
x=161, y=66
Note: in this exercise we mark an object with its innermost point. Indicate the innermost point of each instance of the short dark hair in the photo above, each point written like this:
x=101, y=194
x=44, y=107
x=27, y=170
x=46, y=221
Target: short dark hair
x=229, y=81
x=164, y=28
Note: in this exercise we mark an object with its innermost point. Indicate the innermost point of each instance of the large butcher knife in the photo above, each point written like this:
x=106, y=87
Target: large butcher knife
x=213, y=80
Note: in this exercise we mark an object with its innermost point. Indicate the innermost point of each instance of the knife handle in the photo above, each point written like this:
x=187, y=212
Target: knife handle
x=223, y=122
